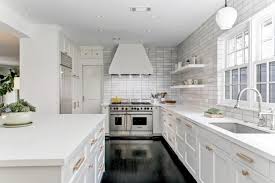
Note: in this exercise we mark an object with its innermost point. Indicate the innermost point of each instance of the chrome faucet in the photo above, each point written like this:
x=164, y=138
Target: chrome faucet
x=262, y=120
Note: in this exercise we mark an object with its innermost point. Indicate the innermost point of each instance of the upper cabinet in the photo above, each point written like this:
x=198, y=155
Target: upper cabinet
x=91, y=52
x=66, y=46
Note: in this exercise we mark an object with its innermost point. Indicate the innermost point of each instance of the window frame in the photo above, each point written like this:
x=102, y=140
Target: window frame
x=242, y=29
x=254, y=24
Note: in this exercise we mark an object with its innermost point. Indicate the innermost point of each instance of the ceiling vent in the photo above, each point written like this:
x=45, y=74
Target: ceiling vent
x=140, y=9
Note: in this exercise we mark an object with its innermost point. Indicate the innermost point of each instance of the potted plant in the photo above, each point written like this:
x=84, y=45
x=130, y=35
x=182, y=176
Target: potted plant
x=16, y=113
x=7, y=83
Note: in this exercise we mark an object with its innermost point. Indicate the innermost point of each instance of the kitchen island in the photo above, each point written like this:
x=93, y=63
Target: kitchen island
x=55, y=149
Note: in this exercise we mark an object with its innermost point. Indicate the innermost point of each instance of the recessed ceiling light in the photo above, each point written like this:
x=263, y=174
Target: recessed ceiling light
x=140, y=9
x=99, y=30
x=99, y=16
x=154, y=16
x=148, y=30
x=116, y=38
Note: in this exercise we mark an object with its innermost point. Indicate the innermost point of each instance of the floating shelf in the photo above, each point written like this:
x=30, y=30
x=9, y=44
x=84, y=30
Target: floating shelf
x=187, y=86
x=188, y=67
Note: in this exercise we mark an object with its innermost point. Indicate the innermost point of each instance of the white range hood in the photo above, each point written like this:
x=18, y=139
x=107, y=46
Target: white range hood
x=131, y=59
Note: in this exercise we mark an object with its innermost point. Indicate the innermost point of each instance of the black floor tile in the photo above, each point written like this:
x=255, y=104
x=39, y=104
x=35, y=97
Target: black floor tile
x=141, y=161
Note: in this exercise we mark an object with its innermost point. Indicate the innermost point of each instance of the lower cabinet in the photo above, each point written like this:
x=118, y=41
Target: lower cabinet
x=242, y=174
x=90, y=173
x=212, y=159
x=214, y=165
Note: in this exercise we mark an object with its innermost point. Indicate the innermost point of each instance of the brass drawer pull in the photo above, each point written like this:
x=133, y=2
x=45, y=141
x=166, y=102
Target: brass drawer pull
x=93, y=141
x=188, y=125
x=100, y=167
x=245, y=173
x=208, y=148
x=170, y=114
x=170, y=125
x=78, y=164
x=245, y=158
x=178, y=119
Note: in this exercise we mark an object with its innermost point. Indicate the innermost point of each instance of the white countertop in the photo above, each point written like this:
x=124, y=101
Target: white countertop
x=48, y=142
x=262, y=144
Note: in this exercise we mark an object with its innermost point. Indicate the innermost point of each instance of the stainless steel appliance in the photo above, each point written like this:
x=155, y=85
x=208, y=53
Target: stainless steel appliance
x=131, y=119
x=65, y=84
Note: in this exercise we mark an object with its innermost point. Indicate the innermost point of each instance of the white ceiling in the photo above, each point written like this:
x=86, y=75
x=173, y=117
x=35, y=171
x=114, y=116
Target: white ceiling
x=169, y=22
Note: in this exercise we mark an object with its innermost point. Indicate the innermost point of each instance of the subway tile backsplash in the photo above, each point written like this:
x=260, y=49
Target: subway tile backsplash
x=203, y=43
x=162, y=59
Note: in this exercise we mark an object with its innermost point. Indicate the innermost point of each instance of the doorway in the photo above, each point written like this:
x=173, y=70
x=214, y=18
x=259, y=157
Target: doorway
x=92, y=88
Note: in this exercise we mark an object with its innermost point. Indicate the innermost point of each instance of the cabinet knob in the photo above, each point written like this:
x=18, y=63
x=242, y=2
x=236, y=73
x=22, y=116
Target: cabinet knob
x=93, y=141
x=245, y=173
x=91, y=166
x=209, y=148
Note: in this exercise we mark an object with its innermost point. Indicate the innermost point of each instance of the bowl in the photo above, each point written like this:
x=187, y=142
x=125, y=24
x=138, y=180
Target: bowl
x=16, y=118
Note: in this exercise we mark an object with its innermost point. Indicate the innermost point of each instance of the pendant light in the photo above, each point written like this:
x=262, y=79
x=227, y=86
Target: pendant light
x=226, y=17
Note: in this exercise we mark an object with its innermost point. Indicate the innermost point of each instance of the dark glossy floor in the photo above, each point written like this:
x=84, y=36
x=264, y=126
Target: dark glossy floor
x=141, y=161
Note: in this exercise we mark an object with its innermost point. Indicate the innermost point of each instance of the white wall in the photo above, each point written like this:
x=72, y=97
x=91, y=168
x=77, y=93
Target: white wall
x=39, y=68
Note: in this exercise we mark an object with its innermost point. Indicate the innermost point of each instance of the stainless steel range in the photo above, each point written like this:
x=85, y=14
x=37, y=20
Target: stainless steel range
x=131, y=119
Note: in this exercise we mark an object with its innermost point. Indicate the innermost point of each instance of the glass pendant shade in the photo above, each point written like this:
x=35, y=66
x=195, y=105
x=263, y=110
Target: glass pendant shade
x=226, y=18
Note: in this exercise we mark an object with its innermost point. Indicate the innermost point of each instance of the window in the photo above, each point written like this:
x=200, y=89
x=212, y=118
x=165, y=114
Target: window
x=267, y=49
x=246, y=58
x=237, y=50
x=235, y=81
x=236, y=65
x=265, y=64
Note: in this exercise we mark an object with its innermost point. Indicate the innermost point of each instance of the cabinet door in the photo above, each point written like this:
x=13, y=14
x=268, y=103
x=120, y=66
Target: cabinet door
x=242, y=174
x=180, y=146
x=214, y=164
x=206, y=162
x=91, y=178
x=223, y=167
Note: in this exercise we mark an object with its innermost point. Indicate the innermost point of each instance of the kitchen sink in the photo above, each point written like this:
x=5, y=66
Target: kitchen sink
x=239, y=128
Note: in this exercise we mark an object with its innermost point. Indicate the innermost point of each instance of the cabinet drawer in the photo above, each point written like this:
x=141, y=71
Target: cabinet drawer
x=172, y=124
x=75, y=164
x=244, y=174
x=180, y=128
x=218, y=141
x=251, y=159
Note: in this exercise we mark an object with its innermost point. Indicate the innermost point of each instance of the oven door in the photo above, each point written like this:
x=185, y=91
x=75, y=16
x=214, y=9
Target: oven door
x=141, y=122
x=117, y=122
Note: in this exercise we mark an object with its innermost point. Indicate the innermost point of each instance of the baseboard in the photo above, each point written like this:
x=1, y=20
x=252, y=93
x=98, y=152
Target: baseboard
x=177, y=161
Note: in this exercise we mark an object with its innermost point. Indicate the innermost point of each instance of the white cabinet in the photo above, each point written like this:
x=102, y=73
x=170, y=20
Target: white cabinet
x=243, y=174
x=211, y=158
x=105, y=110
x=85, y=164
x=191, y=147
x=87, y=52
x=156, y=121
x=214, y=164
